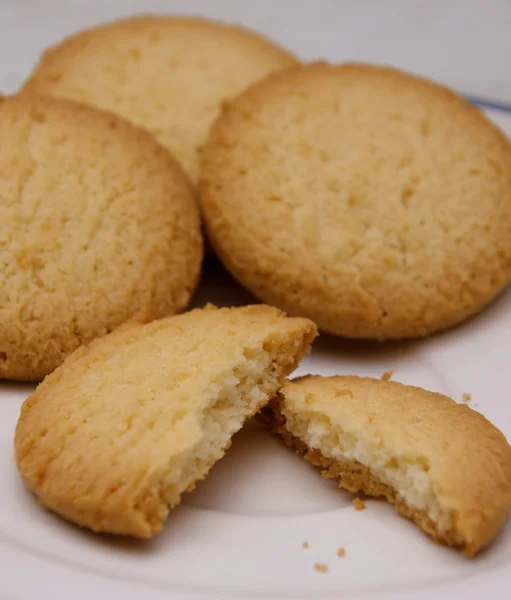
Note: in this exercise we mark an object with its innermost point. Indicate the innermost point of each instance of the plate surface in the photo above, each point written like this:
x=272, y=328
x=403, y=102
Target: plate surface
x=240, y=533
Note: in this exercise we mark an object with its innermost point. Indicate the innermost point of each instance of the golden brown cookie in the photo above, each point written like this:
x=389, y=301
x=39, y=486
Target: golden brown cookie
x=98, y=223
x=166, y=73
x=118, y=432
x=376, y=203
x=441, y=464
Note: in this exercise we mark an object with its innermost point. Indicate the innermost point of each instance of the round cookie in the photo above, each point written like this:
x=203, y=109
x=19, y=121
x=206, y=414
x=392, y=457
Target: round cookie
x=115, y=435
x=441, y=464
x=376, y=203
x=98, y=223
x=169, y=74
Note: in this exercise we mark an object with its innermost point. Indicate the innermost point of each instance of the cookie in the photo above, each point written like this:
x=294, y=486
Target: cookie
x=169, y=74
x=98, y=224
x=441, y=464
x=124, y=426
x=375, y=203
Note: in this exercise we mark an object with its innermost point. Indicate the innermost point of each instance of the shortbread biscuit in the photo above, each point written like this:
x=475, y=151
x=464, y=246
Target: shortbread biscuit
x=441, y=464
x=97, y=223
x=123, y=427
x=375, y=203
x=166, y=73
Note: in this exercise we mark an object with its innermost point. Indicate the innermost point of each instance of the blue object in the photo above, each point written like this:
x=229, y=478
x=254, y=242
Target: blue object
x=491, y=104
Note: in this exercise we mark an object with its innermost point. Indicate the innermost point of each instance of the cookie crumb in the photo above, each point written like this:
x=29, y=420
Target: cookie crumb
x=320, y=568
x=387, y=376
x=359, y=504
x=467, y=398
x=341, y=552
x=305, y=545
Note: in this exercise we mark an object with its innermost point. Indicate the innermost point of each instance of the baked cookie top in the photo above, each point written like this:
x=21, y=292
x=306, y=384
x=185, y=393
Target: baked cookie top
x=447, y=464
x=166, y=73
x=124, y=426
x=98, y=223
x=372, y=201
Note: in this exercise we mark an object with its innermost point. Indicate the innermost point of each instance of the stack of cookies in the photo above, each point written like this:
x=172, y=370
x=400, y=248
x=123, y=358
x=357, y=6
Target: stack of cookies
x=358, y=199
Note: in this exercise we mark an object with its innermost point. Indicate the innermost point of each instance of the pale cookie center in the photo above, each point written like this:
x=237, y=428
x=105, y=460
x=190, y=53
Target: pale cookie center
x=260, y=476
x=407, y=476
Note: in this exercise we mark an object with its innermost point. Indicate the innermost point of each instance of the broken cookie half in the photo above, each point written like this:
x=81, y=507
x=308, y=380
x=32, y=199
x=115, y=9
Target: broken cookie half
x=114, y=436
x=440, y=463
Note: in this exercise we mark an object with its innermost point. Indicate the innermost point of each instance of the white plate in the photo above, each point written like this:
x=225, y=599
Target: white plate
x=240, y=534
